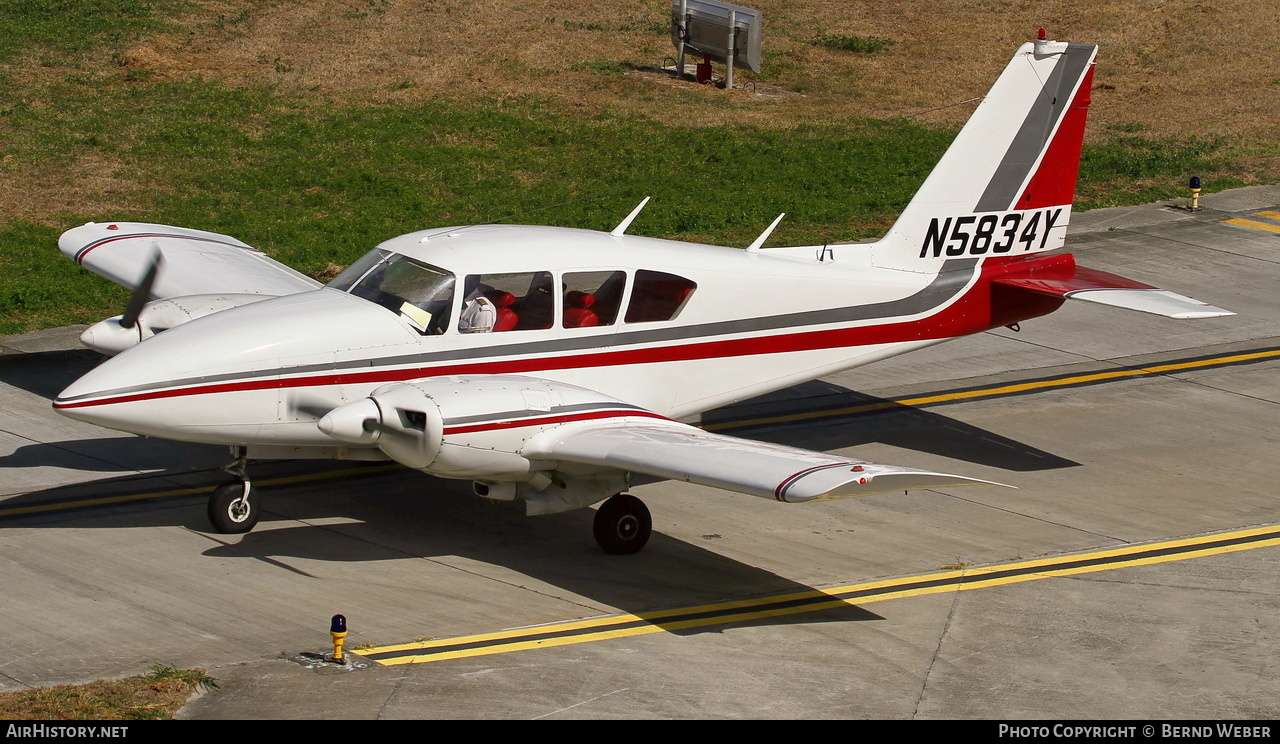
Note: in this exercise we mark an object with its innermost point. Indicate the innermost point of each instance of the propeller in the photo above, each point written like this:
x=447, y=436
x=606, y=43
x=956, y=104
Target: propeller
x=114, y=335
x=303, y=406
x=142, y=293
x=400, y=419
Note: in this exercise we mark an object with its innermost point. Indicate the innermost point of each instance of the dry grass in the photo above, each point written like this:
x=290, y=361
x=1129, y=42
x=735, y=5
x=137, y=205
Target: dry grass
x=156, y=695
x=1168, y=68
x=1177, y=68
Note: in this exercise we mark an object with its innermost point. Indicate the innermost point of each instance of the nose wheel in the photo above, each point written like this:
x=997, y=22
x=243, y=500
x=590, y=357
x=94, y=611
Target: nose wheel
x=234, y=508
x=623, y=524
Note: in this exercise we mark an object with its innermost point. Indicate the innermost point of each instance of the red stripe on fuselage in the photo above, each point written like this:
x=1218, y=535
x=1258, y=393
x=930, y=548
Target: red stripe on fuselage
x=971, y=313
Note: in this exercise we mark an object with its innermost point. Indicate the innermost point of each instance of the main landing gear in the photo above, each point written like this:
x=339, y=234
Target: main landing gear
x=623, y=524
x=234, y=508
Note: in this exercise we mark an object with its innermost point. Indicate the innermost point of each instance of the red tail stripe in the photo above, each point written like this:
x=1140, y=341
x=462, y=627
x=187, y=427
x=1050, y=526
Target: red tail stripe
x=1054, y=182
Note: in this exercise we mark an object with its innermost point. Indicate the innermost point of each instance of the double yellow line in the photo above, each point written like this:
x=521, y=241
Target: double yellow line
x=729, y=613
x=1256, y=225
x=1010, y=389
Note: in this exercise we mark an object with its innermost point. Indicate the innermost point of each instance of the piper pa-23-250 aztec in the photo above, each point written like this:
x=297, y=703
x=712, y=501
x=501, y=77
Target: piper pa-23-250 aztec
x=549, y=364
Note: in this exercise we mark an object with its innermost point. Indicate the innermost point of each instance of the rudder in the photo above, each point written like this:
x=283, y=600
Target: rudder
x=1005, y=185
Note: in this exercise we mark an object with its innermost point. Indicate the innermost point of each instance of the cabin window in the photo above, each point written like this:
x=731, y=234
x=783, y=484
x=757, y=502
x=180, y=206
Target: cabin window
x=507, y=302
x=658, y=296
x=418, y=292
x=592, y=298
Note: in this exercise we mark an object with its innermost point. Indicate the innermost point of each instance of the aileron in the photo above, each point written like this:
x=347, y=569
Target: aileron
x=682, y=452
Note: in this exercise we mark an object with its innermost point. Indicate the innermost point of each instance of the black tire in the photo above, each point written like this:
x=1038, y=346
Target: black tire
x=234, y=508
x=623, y=525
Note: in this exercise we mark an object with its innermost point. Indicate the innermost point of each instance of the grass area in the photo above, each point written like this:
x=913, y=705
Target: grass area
x=313, y=186
x=98, y=123
x=156, y=695
x=60, y=28
x=853, y=43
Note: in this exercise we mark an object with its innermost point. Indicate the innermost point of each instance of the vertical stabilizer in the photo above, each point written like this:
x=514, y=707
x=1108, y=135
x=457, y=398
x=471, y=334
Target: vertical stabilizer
x=1005, y=186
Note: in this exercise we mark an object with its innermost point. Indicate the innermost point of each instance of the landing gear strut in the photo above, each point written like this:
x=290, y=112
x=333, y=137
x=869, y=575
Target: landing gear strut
x=234, y=508
x=623, y=524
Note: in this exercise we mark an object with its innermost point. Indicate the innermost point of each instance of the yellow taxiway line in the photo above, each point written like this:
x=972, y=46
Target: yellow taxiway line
x=950, y=397
x=729, y=613
x=1011, y=389
x=1254, y=224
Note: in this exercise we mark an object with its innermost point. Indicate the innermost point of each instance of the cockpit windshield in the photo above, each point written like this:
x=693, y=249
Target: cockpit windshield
x=420, y=293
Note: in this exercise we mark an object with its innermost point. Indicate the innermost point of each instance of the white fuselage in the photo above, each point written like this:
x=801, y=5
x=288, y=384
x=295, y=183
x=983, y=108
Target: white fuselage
x=262, y=374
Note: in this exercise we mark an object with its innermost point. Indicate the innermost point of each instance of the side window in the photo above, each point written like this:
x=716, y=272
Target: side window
x=658, y=296
x=592, y=298
x=507, y=302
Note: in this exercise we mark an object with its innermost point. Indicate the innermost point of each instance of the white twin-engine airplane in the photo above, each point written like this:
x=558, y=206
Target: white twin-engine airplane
x=548, y=364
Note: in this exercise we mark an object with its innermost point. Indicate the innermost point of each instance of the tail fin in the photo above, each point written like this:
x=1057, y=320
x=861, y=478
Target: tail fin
x=1005, y=186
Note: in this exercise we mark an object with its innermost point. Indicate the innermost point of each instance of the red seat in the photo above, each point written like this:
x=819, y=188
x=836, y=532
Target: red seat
x=577, y=312
x=507, y=317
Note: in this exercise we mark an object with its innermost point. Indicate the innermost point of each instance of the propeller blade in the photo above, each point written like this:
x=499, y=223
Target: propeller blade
x=300, y=405
x=142, y=293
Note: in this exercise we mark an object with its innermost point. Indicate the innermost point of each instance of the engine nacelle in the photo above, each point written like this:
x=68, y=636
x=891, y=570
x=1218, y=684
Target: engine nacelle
x=476, y=428
x=111, y=338
x=471, y=428
x=401, y=420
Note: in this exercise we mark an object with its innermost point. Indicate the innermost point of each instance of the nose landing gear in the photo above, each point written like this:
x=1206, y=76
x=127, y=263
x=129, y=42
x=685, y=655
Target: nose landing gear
x=234, y=508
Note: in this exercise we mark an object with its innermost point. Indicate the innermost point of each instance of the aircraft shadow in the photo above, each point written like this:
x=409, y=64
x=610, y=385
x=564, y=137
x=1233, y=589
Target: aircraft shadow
x=428, y=517
x=823, y=416
x=391, y=516
x=122, y=453
x=47, y=373
x=402, y=514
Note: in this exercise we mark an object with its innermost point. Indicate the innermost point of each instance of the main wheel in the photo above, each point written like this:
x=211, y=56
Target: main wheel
x=232, y=511
x=623, y=524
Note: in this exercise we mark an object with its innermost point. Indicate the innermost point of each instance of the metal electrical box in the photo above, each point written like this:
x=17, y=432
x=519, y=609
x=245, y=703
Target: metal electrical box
x=706, y=27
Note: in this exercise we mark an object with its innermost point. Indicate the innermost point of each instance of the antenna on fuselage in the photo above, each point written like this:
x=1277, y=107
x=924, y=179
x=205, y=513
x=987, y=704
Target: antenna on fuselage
x=622, y=226
x=755, y=245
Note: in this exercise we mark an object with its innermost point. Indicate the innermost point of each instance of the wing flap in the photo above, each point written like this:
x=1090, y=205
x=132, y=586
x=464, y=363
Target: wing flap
x=195, y=261
x=676, y=451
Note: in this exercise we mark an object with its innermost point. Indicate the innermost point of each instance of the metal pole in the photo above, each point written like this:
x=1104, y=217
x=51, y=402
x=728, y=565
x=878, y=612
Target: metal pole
x=683, y=31
x=733, y=43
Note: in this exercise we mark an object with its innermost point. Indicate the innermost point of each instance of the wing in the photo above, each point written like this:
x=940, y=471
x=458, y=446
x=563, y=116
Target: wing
x=669, y=449
x=195, y=262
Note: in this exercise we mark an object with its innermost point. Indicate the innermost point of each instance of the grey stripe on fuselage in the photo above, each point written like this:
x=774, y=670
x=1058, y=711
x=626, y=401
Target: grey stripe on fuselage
x=1036, y=130
x=954, y=276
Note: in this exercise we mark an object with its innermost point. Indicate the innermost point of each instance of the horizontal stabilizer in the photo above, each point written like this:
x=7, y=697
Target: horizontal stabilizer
x=1156, y=301
x=682, y=452
x=1091, y=285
